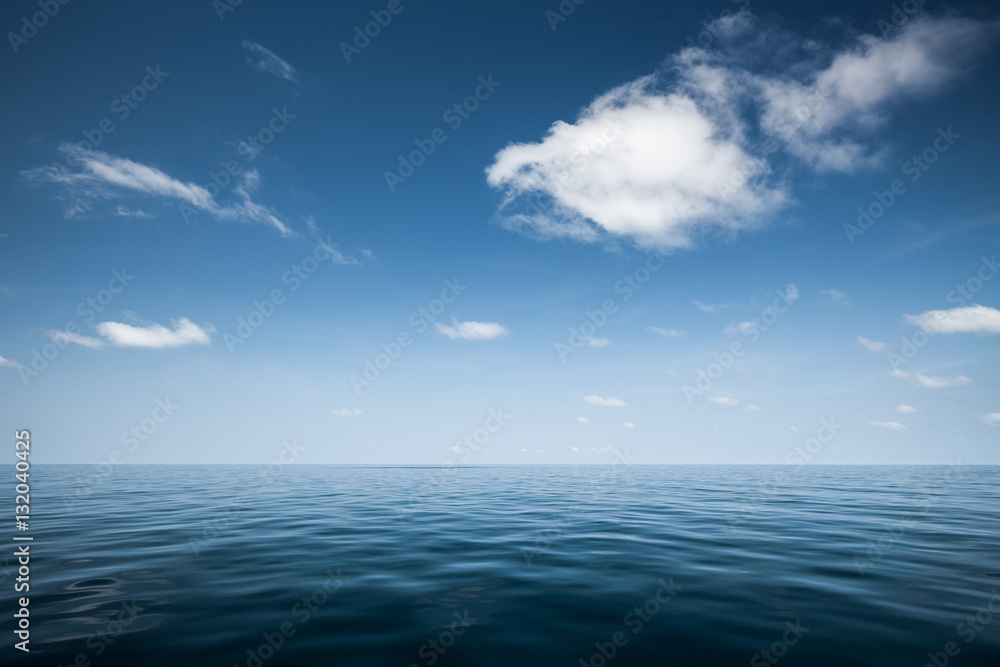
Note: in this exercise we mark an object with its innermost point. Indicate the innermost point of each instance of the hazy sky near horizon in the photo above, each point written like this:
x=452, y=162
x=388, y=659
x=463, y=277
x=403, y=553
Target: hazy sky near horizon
x=522, y=232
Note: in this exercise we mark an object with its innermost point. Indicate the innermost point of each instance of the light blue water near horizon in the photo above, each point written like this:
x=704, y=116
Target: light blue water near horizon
x=502, y=565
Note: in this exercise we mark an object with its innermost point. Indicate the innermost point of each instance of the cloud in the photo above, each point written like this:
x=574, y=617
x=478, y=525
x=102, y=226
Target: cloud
x=740, y=327
x=725, y=400
x=905, y=409
x=871, y=345
x=345, y=412
x=676, y=155
x=267, y=61
x=184, y=332
x=67, y=337
x=834, y=294
x=472, y=330
x=992, y=419
x=895, y=426
x=707, y=307
x=9, y=363
x=98, y=176
x=970, y=319
x=670, y=333
x=930, y=382
x=605, y=402
x=598, y=342
x=628, y=424
x=583, y=420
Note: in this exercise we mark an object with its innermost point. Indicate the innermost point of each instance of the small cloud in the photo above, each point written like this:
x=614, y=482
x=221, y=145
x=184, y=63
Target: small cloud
x=905, y=409
x=346, y=412
x=725, y=400
x=792, y=292
x=709, y=308
x=583, y=420
x=268, y=61
x=9, y=363
x=794, y=429
x=834, y=294
x=598, y=342
x=895, y=426
x=752, y=408
x=993, y=419
x=670, y=333
x=609, y=402
x=185, y=332
x=130, y=213
x=628, y=424
x=930, y=382
x=472, y=330
x=575, y=450
x=871, y=345
x=975, y=319
x=67, y=337
x=741, y=327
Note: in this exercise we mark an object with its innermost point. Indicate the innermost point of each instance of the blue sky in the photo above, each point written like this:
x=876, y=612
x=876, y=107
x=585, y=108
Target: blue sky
x=629, y=230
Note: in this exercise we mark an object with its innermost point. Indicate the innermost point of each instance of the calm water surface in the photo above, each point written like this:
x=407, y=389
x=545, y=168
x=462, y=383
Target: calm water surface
x=549, y=565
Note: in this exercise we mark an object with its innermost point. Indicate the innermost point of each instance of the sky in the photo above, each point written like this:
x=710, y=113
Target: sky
x=527, y=232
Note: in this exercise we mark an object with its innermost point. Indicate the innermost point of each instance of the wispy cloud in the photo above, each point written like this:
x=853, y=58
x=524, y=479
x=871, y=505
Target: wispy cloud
x=871, y=345
x=607, y=173
x=598, y=342
x=670, y=333
x=472, y=330
x=905, y=409
x=609, y=402
x=733, y=403
x=834, y=294
x=346, y=412
x=708, y=307
x=99, y=176
x=894, y=426
x=628, y=424
x=970, y=319
x=930, y=382
x=184, y=332
x=268, y=61
x=8, y=363
x=67, y=337
x=992, y=419
x=583, y=420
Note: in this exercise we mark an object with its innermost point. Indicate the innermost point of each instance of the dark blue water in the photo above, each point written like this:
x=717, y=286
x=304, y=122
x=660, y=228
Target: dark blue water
x=625, y=565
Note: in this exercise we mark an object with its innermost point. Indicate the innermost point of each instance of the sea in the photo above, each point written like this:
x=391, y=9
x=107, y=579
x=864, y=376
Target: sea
x=512, y=566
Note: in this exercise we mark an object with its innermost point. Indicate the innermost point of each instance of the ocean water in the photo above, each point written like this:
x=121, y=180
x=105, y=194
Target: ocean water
x=511, y=566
